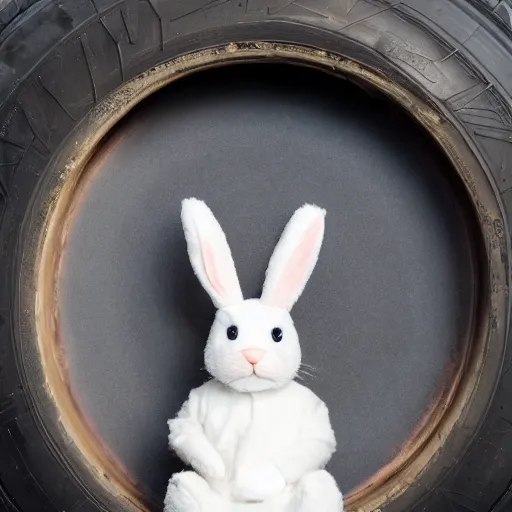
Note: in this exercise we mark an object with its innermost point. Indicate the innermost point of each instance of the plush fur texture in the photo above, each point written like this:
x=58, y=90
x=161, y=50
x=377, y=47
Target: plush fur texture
x=256, y=439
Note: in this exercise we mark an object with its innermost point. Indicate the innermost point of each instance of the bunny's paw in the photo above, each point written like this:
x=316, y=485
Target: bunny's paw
x=258, y=483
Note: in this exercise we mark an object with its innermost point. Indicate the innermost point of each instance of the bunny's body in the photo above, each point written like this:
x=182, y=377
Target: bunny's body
x=257, y=440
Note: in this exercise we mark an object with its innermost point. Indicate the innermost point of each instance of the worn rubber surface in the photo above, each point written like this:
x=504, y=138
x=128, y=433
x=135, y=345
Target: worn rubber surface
x=57, y=60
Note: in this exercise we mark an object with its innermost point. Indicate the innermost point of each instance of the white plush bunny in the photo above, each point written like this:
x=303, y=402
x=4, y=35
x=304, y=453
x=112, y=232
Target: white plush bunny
x=257, y=440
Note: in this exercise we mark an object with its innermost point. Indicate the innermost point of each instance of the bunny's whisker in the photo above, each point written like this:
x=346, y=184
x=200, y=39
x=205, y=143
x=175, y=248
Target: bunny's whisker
x=303, y=373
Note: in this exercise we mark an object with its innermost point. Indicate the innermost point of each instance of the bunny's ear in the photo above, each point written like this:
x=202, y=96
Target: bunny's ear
x=294, y=257
x=209, y=253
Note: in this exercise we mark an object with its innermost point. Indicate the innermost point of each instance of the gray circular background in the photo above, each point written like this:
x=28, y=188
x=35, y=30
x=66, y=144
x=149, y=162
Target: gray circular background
x=381, y=316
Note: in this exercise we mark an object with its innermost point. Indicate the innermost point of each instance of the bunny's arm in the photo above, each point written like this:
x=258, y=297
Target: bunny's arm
x=188, y=440
x=314, y=446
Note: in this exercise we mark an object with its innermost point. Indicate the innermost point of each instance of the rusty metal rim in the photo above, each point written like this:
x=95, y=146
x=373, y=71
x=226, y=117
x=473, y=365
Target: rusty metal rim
x=454, y=400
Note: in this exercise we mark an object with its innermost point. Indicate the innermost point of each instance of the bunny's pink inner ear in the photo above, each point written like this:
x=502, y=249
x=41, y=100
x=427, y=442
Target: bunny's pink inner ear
x=221, y=275
x=211, y=268
x=297, y=270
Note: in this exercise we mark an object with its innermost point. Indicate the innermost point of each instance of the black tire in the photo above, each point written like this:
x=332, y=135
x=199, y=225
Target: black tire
x=57, y=60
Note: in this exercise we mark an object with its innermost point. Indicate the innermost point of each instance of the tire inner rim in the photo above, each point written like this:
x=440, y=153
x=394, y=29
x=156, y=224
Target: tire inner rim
x=475, y=371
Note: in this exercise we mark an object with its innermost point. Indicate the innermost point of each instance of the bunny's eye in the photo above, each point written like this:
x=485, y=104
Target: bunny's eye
x=277, y=334
x=232, y=332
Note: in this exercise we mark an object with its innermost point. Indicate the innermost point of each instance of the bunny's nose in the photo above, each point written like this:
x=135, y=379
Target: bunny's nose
x=253, y=355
